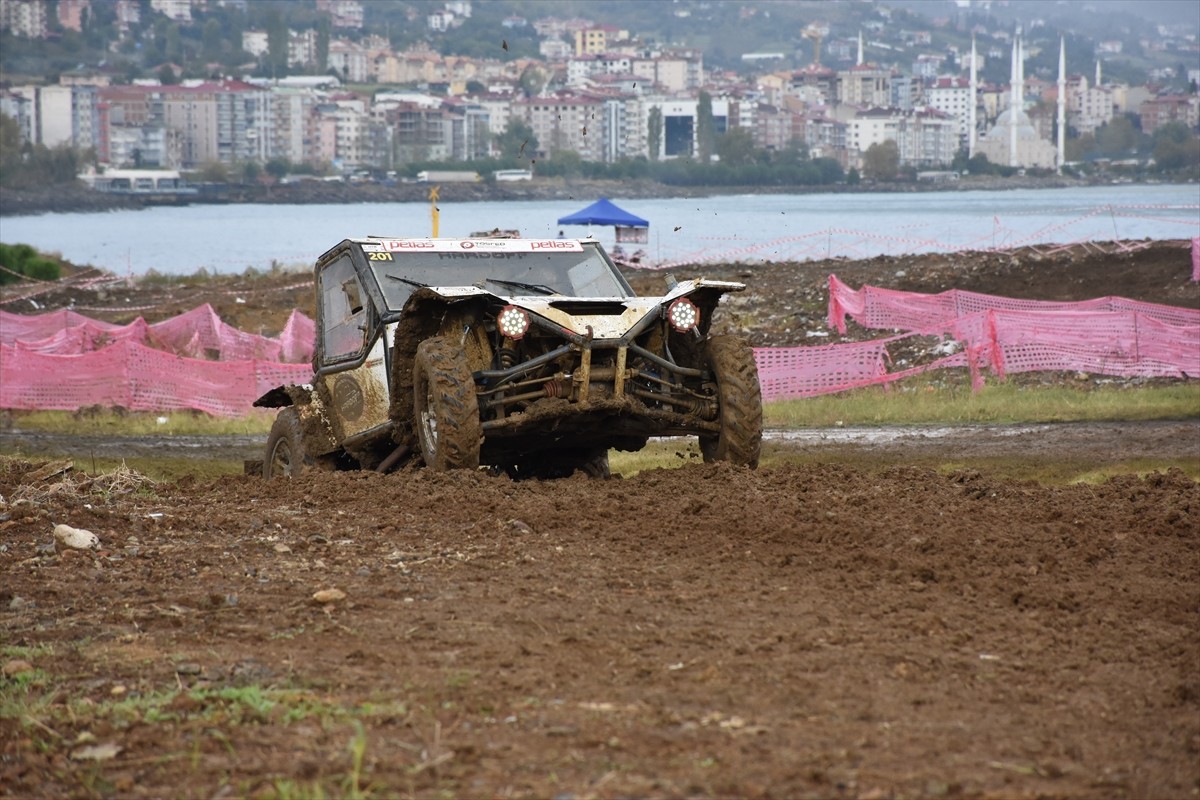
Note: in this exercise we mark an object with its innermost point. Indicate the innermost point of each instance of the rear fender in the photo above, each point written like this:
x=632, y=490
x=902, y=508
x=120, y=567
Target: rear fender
x=318, y=436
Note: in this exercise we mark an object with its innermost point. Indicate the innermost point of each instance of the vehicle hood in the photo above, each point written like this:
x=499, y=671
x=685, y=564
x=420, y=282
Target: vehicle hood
x=594, y=317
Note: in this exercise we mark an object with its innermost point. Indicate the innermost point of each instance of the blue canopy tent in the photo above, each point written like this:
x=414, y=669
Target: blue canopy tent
x=630, y=228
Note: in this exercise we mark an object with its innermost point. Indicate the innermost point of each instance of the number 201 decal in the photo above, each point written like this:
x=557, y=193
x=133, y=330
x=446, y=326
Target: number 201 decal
x=379, y=256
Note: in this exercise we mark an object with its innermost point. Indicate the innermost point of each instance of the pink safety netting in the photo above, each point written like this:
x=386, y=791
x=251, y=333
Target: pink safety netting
x=64, y=361
x=786, y=372
x=139, y=378
x=199, y=333
x=1127, y=344
x=1109, y=336
x=888, y=309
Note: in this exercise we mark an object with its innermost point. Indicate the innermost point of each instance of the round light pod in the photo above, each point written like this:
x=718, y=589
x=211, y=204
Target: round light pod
x=683, y=315
x=512, y=322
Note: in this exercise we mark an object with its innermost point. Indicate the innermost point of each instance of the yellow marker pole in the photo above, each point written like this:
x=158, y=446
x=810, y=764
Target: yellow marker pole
x=433, y=209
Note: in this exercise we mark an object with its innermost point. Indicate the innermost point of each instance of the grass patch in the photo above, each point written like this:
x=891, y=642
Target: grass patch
x=164, y=469
x=25, y=652
x=26, y=695
x=118, y=422
x=349, y=787
x=56, y=714
x=674, y=453
x=915, y=403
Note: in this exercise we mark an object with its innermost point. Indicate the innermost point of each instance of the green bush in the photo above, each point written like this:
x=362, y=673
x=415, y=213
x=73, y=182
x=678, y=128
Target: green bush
x=26, y=261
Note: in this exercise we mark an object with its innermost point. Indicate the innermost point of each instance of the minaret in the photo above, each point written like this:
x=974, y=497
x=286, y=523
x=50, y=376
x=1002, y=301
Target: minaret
x=1021, y=74
x=973, y=102
x=860, y=49
x=1012, y=105
x=1062, y=103
x=1097, y=86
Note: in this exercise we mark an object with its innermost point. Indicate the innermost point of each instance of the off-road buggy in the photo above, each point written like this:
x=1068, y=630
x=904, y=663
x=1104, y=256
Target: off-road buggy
x=530, y=357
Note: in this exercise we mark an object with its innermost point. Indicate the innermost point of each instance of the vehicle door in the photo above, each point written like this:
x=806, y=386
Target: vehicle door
x=352, y=369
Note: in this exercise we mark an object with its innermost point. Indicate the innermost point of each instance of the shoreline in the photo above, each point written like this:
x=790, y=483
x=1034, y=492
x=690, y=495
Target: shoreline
x=80, y=199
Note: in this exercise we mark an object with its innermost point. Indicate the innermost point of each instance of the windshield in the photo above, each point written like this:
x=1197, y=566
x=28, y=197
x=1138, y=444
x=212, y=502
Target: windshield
x=515, y=269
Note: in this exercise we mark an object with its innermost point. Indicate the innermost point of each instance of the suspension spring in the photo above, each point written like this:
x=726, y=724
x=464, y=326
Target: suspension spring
x=506, y=357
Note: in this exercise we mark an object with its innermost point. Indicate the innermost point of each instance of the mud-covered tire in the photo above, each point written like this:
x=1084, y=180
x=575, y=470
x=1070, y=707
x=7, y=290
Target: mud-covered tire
x=740, y=397
x=445, y=409
x=597, y=465
x=561, y=464
x=285, y=455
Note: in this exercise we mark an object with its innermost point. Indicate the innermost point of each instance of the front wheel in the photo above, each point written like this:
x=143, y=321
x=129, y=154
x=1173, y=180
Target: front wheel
x=445, y=409
x=740, y=398
x=285, y=456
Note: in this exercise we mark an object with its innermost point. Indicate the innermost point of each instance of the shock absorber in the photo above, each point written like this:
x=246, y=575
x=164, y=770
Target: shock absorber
x=506, y=356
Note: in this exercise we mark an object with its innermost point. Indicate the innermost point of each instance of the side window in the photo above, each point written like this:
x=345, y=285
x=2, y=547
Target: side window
x=343, y=316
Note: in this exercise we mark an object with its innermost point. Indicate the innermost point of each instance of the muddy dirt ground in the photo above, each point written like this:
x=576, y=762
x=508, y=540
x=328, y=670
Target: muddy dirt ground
x=817, y=630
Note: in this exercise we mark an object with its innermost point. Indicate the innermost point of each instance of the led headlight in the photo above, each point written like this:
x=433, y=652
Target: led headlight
x=512, y=322
x=683, y=315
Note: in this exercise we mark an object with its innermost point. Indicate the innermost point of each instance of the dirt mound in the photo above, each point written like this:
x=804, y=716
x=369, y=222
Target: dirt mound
x=705, y=631
x=783, y=302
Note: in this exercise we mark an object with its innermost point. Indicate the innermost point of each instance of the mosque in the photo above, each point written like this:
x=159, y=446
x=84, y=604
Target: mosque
x=1013, y=141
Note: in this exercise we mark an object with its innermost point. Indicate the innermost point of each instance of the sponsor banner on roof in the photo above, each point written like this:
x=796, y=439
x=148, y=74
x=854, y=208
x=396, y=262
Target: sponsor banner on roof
x=469, y=245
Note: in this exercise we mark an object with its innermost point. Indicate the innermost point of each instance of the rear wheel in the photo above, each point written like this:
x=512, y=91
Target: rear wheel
x=597, y=465
x=445, y=409
x=740, y=440
x=285, y=456
x=561, y=464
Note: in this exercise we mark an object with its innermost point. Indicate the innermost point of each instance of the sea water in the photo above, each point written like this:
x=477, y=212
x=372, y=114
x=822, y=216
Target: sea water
x=747, y=228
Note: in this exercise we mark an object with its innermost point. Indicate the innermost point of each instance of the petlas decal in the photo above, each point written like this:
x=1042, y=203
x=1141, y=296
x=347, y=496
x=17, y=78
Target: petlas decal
x=467, y=245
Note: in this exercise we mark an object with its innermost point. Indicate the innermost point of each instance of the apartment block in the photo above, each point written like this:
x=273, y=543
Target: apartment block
x=567, y=121
x=24, y=18
x=952, y=96
x=925, y=137
x=865, y=86
x=1158, y=111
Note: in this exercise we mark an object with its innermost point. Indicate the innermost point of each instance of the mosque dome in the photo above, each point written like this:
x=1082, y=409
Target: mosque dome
x=1005, y=122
